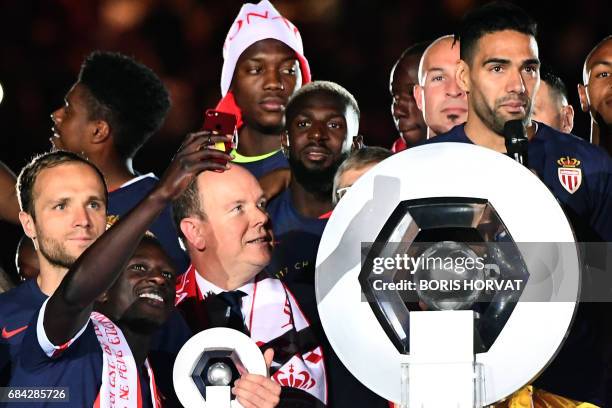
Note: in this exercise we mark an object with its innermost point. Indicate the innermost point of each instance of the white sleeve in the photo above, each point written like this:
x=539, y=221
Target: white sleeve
x=50, y=349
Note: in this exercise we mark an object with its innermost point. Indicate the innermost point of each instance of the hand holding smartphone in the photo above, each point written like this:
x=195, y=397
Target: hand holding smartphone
x=223, y=124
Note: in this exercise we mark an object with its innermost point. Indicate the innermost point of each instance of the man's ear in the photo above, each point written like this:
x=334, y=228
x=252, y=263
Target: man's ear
x=357, y=143
x=462, y=75
x=285, y=139
x=567, y=118
x=101, y=131
x=103, y=298
x=419, y=97
x=584, y=99
x=28, y=225
x=192, y=229
x=285, y=143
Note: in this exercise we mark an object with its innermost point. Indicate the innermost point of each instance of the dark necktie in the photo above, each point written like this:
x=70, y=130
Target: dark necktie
x=234, y=312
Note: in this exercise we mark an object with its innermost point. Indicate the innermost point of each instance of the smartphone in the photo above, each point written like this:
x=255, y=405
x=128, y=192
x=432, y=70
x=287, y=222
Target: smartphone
x=223, y=124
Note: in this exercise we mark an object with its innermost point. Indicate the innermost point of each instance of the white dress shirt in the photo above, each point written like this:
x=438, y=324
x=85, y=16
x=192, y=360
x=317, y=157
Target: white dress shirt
x=205, y=287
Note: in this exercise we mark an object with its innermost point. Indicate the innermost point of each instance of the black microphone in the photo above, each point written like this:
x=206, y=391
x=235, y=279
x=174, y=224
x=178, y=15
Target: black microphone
x=515, y=136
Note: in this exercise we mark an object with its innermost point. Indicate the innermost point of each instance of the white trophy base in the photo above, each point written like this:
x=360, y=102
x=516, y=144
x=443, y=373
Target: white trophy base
x=441, y=371
x=218, y=397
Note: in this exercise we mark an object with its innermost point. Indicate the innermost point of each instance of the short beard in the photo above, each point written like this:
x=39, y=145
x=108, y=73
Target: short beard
x=135, y=321
x=495, y=121
x=316, y=181
x=55, y=253
x=141, y=325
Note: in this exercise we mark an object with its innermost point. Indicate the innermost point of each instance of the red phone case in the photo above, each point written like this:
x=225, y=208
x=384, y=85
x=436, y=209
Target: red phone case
x=220, y=122
x=223, y=124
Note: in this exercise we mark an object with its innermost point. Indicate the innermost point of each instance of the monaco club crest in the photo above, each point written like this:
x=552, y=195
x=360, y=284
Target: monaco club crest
x=570, y=175
x=301, y=379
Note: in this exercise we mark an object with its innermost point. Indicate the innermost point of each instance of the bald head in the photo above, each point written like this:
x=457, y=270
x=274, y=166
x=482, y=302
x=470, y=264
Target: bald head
x=596, y=90
x=437, y=94
x=441, y=50
x=602, y=49
x=236, y=182
x=404, y=75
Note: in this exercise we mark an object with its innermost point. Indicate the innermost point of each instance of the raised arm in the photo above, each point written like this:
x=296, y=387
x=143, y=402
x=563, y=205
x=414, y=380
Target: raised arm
x=99, y=266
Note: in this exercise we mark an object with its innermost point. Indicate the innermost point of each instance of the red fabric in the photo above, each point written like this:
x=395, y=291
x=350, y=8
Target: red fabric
x=305, y=68
x=399, y=145
x=139, y=391
x=157, y=403
x=60, y=349
x=227, y=104
x=186, y=286
x=325, y=216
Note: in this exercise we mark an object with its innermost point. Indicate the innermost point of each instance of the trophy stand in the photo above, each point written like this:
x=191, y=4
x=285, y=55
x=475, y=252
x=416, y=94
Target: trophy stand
x=440, y=370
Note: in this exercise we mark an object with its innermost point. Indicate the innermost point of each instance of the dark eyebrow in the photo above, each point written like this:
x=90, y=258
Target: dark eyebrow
x=307, y=113
x=496, y=61
x=532, y=61
x=96, y=198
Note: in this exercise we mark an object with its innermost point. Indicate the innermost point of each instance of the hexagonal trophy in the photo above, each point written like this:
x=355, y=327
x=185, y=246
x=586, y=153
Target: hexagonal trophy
x=447, y=276
x=461, y=248
x=209, y=363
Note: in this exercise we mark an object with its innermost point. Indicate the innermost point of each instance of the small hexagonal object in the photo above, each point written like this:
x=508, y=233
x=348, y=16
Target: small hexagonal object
x=216, y=359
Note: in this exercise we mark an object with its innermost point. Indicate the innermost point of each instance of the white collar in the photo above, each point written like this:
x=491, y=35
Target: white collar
x=137, y=179
x=205, y=286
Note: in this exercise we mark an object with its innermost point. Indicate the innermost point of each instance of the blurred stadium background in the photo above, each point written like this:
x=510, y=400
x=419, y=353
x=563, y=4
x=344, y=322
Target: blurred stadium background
x=352, y=42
